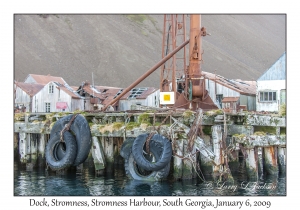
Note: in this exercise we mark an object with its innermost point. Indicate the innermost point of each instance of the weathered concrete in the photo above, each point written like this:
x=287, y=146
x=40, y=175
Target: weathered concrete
x=270, y=158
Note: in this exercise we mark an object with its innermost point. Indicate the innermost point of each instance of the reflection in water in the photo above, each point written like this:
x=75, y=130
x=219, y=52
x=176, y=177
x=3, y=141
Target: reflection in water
x=39, y=183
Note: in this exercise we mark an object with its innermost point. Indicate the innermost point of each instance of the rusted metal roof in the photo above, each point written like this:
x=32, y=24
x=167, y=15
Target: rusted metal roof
x=243, y=87
x=45, y=79
x=230, y=99
x=147, y=92
x=140, y=93
x=69, y=92
x=109, y=93
x=29, y=88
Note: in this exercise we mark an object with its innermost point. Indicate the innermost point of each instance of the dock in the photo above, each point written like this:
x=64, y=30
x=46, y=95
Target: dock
x=204, y=143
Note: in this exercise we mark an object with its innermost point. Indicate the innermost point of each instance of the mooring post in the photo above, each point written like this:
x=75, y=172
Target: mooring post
x=270, y=160
x=178, y=150
x=187, y=168
x=16, y=145
x=24, y=147
x=206, y=165
x=98, y=156
x=33, y=151
x=217, y=140
x=282, y=160
x=108, y=146
x=260, y=161
x=41, y=150
x=252, y=163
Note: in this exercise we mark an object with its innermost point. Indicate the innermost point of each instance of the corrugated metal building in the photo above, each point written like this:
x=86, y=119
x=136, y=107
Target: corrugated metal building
x=219, y=87
x=271, y=87
x=146, y=96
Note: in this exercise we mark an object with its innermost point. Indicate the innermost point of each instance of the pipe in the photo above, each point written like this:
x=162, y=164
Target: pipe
x=150, y=71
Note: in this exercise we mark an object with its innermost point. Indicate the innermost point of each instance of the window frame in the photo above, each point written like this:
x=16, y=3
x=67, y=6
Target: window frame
x=47, y=107
x=51, y=89
x=264, y=96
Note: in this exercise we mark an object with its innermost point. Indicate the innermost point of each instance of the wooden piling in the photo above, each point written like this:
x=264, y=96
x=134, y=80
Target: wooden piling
x=108, y=147
x=41, y=160
x=270, y=160
x=187, y=168
x=178, y=163
x=252, y=164
x=206, y=165
x=282, y=160
x=217, y=140
x=98, y=155
x=33, y=149
x=24, y=147
x=260, y=161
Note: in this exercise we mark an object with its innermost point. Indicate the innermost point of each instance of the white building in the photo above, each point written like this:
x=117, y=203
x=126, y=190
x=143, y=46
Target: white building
x=51, y=94
x=55, y=97
x=24, y=93
x=271, y=87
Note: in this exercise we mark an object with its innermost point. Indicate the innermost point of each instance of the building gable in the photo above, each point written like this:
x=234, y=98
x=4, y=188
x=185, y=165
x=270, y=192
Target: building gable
x=277, y=71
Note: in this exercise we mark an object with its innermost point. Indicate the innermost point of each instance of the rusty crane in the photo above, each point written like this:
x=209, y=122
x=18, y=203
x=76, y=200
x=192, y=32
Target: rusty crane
x=185, y=82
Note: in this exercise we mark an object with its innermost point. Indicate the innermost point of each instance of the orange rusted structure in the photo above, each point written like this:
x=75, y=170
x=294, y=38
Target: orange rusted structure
x=188, y=83
x=195, y=95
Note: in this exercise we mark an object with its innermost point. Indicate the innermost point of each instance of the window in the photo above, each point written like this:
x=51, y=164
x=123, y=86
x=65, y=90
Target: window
x=47, y=107
x=267, y=96
x=50, y=88
x=219, y=98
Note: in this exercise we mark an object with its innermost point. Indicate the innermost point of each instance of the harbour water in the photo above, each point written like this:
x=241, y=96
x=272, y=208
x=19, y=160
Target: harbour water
x=42, y=183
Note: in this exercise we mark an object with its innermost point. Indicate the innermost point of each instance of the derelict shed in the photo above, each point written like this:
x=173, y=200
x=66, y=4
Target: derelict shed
x=219, y=87
x=55, y=97
x=271, y=87
x=24, y=94
x=145, y=96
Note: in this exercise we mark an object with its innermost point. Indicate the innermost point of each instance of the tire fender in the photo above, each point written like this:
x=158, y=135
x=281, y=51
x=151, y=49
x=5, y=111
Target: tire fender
x=159, y=140
x=80, y=128
x=67, y=160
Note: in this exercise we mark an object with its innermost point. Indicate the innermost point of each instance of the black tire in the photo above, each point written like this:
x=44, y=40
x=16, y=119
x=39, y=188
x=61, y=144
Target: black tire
x=56, y=161
x=158, y=142
x=80, y=128
x=134, y=171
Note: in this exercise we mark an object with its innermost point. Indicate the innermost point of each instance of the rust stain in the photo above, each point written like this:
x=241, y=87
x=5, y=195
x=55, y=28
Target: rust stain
x=272, y=151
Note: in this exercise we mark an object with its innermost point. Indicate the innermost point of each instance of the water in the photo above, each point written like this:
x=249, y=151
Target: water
x=41, y=183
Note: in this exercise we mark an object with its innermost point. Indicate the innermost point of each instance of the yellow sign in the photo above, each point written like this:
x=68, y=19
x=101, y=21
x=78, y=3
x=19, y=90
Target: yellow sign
x=166, y=97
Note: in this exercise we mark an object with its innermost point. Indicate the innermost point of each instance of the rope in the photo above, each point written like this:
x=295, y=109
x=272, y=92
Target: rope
x=67, y=127
x=155, y=131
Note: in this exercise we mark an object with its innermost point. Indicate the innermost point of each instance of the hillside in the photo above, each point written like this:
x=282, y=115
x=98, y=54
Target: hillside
x=120, y=48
